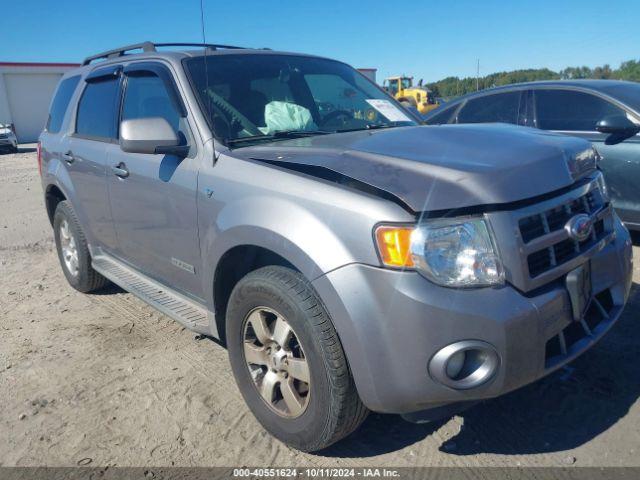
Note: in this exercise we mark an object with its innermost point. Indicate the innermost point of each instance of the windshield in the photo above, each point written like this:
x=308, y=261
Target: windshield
x=406, y=83
x=253, y=97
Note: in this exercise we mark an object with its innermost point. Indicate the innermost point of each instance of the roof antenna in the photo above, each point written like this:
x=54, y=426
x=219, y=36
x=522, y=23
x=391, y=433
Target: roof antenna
x=206, y=77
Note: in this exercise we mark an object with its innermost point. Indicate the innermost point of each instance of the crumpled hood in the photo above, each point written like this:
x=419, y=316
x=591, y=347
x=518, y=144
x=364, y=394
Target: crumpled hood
x=446, y=166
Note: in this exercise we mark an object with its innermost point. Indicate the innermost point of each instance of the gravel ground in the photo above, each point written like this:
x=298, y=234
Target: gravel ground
x=105, y=380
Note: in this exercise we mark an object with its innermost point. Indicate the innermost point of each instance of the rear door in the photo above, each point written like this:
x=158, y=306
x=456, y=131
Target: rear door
x=504, y=107
x=576, y=113
x=84, y=152
x=154, y=205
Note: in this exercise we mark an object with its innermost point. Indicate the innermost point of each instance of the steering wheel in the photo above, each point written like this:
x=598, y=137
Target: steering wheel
x=336, y=114
x=232, y=117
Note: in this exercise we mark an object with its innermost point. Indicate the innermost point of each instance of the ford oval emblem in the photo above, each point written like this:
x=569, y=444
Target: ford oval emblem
x=579, y=227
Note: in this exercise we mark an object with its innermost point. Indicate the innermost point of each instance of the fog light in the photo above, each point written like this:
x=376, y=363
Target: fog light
x=464, y=365
x=455, y=364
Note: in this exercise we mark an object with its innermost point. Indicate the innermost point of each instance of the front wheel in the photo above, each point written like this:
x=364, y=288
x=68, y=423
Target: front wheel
x=288, y=361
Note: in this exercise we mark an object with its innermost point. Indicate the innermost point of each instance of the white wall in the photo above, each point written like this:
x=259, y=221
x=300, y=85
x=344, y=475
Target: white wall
x=29, y=96
x=25, y=95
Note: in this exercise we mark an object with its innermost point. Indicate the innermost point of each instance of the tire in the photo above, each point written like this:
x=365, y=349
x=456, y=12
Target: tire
x=409, y=102
x=78, y=270
x=332, y=408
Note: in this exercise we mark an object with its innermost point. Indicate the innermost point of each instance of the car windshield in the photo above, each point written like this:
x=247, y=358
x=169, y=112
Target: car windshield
x=256, y=97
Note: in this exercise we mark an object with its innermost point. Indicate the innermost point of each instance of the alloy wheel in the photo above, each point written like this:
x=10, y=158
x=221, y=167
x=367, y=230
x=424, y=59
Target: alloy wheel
x=69, y=248
x=276, y=362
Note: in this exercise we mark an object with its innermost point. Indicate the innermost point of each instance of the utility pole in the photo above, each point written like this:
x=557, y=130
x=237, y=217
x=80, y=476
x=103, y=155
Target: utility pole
x=478, y=76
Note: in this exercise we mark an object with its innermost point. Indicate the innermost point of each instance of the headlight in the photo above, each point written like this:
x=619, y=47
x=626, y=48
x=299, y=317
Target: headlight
x=449, y=252
x=456, y=253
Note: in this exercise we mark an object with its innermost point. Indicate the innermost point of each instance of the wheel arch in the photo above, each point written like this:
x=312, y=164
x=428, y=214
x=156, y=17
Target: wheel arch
x=53, y=196
x=233, y=265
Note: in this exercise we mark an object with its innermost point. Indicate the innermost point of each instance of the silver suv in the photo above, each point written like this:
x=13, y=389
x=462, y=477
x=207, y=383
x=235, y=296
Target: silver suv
x=350, y=258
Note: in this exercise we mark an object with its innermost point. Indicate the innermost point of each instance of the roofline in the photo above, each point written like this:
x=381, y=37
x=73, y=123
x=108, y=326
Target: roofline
x=584, y=83
x=38, y=64
x=574, y=84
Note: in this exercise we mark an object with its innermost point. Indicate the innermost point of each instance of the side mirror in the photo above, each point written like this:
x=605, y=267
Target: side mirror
x=150, y=135
x=618, y=127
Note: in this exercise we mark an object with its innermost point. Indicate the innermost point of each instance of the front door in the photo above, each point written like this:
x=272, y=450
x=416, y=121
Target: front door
x=576, y=113
x=153, y=197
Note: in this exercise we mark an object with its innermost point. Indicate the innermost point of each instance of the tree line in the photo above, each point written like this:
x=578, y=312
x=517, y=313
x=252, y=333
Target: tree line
x=454, y=86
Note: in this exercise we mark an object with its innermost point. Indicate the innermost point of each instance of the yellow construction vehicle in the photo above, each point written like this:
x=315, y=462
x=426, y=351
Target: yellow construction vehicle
x=402, y=89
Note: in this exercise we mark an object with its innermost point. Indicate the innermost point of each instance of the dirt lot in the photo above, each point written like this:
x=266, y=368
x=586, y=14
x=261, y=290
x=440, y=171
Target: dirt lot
x=105, y=380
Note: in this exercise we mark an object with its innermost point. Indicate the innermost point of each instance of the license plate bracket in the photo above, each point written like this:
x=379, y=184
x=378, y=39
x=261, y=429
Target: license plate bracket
x=578, y=284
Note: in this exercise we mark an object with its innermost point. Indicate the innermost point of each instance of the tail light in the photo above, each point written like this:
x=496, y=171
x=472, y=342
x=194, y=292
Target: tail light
x=39, y=159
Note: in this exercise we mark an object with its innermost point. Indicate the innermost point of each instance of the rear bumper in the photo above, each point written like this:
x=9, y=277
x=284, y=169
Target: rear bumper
x=392, y=323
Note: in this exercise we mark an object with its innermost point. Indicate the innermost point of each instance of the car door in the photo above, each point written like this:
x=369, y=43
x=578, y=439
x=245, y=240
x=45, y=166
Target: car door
x=153, y=196
x=503, y=107
x=576, y=113
x=84, y=152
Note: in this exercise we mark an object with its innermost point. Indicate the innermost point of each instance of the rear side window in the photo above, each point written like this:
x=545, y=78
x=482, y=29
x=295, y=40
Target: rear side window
x=571, y=111
x=502, y=107
x=60, y=103
x=98, y=109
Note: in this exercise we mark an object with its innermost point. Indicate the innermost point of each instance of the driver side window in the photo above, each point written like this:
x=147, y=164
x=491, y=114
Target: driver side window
x=567, y=110
x=145, y=97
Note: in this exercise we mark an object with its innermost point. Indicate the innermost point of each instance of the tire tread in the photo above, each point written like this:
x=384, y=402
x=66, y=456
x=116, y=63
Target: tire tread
x=346, y=411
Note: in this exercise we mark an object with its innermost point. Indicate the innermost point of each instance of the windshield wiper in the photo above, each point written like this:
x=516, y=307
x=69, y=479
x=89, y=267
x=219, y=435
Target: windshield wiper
x=282, y=135
x=299, y=133
x=370, y=126
x=376, y=126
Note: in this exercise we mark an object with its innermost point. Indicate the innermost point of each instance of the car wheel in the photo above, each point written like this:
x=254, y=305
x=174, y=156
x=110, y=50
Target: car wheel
x=288, y=360
x=73, y=251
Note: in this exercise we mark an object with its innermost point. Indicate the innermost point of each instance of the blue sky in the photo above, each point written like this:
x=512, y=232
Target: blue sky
x=426, y=39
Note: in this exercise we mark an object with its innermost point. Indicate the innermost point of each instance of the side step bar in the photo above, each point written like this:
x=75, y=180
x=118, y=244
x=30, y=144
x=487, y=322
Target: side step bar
x=183, y=310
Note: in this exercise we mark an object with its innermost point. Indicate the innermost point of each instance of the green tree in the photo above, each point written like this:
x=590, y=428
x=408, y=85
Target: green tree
x=454, y=86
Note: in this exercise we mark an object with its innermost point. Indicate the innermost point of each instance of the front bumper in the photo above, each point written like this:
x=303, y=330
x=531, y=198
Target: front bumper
x=392, y=323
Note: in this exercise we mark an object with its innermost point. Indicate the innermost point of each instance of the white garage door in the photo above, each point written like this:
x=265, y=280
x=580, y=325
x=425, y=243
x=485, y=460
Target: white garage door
x=29, y=96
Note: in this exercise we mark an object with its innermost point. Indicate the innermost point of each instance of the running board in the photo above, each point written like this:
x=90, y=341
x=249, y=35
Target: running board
x=183, y=310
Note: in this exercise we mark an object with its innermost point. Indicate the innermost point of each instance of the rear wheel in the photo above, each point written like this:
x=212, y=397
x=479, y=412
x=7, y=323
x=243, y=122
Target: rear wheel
x=288, y=360
x=73, y=251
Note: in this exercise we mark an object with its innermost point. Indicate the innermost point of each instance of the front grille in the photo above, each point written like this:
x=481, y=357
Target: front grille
x=4, y=135
x=574, y=337
x=554, y=219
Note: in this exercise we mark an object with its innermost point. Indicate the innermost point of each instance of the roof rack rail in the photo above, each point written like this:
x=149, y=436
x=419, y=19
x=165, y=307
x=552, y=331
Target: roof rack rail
x=152, y=47
x=210, y=46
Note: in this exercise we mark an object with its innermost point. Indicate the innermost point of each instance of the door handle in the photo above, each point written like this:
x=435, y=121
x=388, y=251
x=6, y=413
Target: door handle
x=68, y=157
x=120, y=170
